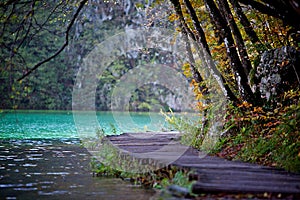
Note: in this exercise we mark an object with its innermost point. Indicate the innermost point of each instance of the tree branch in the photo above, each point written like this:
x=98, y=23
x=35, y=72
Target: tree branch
x=81, y=5
x=3, y=4
x=197, y=25
x=278, y=9
x=30, y=13
x=41, y=26
x=244, y=21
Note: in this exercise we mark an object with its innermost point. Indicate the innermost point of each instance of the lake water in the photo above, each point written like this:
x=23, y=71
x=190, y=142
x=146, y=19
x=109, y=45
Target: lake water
x=56, y=169
x=66, y=124
x=41, y=156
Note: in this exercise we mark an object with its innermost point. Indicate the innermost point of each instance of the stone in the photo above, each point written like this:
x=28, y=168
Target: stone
x=277, y=72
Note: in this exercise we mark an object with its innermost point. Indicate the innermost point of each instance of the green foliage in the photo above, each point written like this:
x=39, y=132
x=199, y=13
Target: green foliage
x=181, y=178
x=189, y=127
x=147, y=97
x=103, y=170
x=30, y=34
x=100, y=133
x=144, y=106
x=113, y=128
x=110, y=161
x=159, y=179
x=264, y=136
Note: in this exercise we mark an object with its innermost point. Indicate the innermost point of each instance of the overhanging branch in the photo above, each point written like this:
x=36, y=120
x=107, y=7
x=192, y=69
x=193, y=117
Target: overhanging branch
x=81, y=5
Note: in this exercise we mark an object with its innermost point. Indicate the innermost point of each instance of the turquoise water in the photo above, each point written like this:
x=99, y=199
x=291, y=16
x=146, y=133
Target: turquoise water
x=66, y=124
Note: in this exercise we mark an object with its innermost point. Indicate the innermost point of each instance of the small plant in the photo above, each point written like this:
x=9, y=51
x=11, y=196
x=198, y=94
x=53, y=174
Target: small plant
x=100, y=133
x=113, y=128
x=99, y=169
x=190, y=128
x=181, y=179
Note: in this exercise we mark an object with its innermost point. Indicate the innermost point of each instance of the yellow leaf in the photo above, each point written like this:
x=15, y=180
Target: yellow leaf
x=173, y=17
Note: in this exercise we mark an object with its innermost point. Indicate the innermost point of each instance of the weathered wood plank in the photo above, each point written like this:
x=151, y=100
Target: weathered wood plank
x=237, y=187
x=237, y=174
x=213, y=174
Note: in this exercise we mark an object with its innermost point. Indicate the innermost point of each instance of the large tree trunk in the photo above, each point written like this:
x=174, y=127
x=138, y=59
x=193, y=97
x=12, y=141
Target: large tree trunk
x=202, y=44
x=235, y=62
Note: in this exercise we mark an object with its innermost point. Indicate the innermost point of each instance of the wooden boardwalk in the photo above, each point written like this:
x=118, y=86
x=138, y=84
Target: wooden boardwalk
x=213, y=174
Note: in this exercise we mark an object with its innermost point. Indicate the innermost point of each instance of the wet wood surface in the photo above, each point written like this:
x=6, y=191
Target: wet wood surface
x=212, y=174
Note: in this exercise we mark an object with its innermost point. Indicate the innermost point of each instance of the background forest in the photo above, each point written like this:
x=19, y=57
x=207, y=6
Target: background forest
x=254, y=46
x=32, y=34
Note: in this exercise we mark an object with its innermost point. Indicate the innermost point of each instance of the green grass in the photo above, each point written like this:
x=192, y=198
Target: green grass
x=264, y=136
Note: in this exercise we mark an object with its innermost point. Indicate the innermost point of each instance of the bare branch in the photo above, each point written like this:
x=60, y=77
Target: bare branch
x=8, y=3
x=7, y=19
x=42, y=26
x=30, y=13
x=81, y=5
x=279, y=9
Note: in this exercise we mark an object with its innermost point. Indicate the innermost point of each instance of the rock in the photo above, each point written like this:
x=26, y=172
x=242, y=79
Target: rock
x=278, y=71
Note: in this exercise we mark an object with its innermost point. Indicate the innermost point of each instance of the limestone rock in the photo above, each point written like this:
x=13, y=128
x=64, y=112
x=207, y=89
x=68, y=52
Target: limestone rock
x=277, y=72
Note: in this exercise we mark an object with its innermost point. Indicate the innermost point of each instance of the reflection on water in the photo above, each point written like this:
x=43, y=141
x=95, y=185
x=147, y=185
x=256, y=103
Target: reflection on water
x=53, y=169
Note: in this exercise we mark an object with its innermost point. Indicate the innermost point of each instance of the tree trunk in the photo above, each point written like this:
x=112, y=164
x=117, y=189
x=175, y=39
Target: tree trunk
x=240, y=76
x=244, y=21
x=225, y=10
x=210, y=65
x=197, y=25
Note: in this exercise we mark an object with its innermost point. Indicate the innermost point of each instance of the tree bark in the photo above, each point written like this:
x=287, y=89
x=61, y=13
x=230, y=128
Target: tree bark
x=240, y=76
x=221, y=80
x=244, y=21
x=197, y=25
x=196, y=75
x=225, y=10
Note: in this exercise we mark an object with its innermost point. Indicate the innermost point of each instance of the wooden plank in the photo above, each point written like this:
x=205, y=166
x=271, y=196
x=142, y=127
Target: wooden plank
x=214, y=174
x=249, y=175
x=238, y=187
